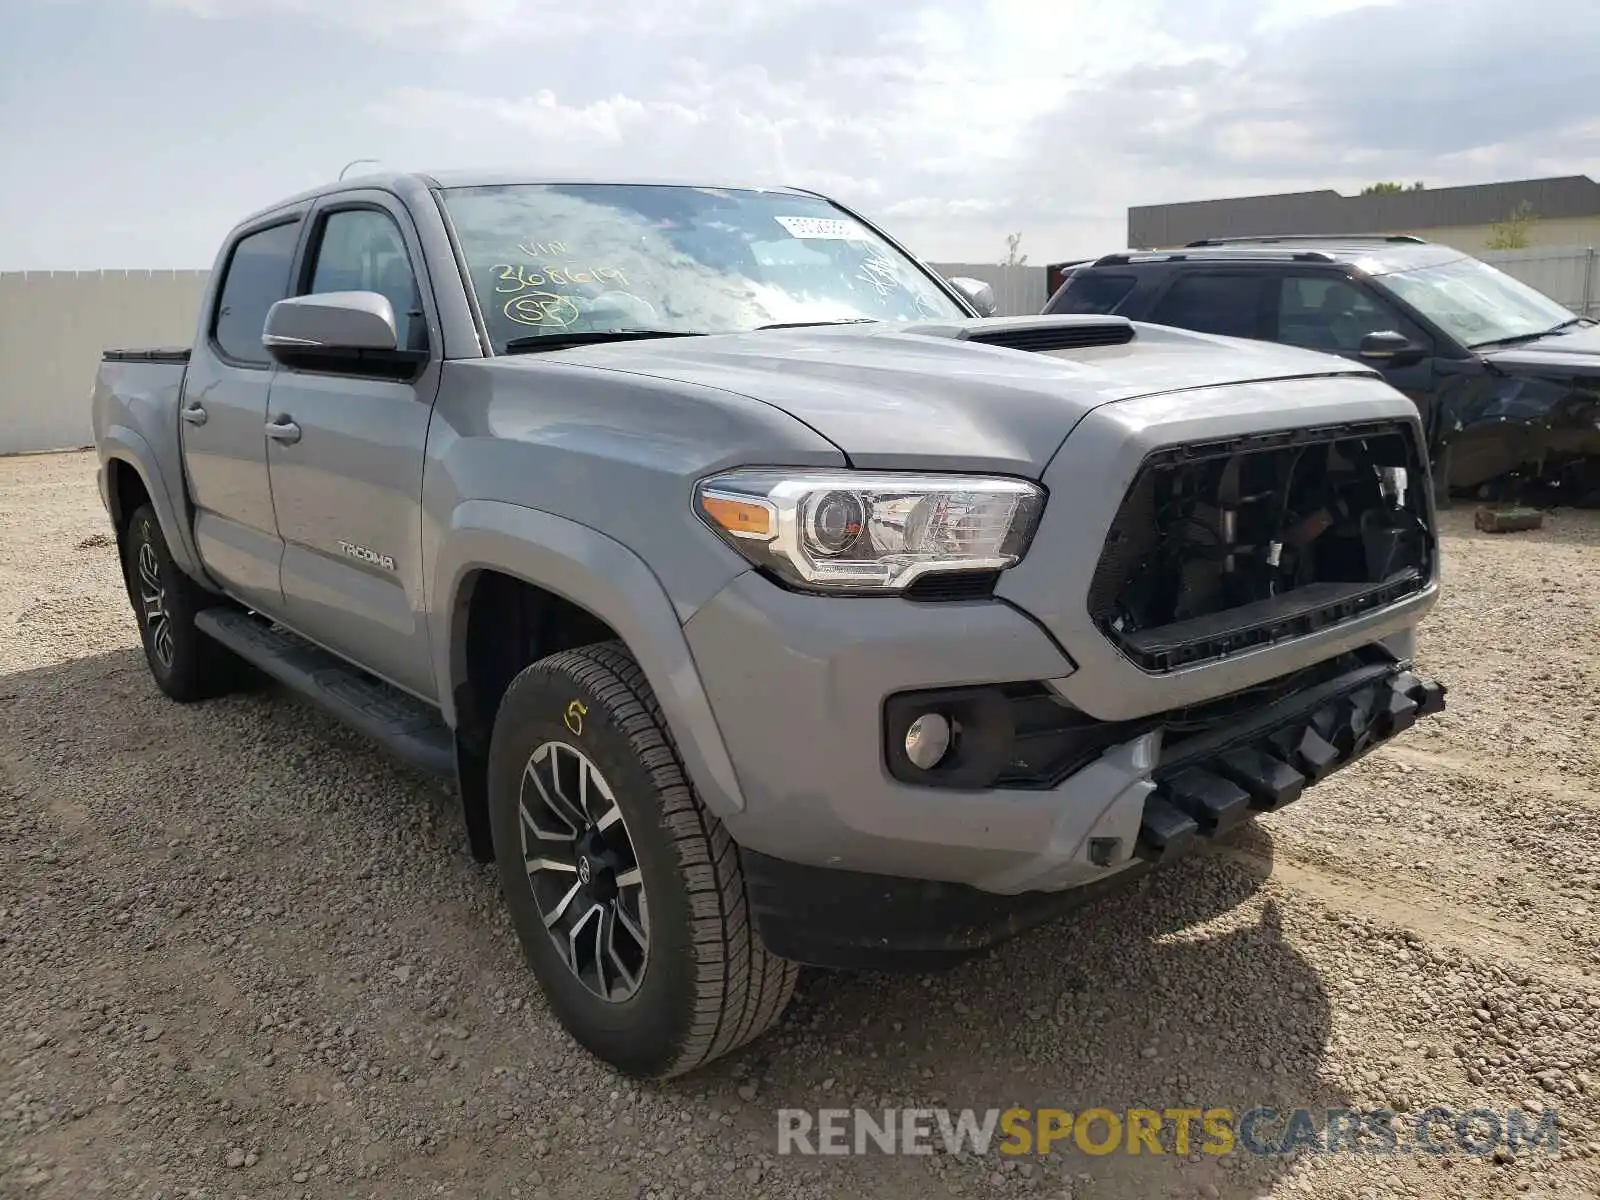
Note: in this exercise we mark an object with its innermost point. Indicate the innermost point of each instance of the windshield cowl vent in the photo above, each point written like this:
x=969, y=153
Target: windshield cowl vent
x=1059, y=333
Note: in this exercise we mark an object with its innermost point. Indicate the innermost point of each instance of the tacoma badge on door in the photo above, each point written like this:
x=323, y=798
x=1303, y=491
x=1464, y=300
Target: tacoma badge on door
x=371, y=556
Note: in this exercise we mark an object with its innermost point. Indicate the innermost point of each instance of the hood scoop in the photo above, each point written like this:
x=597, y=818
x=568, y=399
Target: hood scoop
x=1041, y=335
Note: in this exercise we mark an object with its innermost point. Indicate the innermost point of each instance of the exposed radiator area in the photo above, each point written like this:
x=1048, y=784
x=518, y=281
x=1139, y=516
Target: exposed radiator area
x=1224, y=546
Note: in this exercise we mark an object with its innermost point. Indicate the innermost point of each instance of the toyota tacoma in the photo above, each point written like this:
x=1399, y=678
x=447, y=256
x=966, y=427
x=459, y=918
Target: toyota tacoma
x=767, y=599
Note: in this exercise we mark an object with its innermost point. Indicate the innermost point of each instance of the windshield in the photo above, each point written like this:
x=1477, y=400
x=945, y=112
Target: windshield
x=1475, y=303
x=570, y=258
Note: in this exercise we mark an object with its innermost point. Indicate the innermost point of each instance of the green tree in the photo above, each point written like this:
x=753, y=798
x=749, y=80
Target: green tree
x=1388, y=188
x=1013, y=259
x=1516, y=231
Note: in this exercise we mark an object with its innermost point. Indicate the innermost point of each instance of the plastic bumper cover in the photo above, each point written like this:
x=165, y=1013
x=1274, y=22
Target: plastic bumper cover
x=1202, y=788
x=798, y=686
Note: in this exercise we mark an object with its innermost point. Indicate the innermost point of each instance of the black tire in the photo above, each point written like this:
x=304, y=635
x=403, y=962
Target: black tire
x=708, y=985
x=187, y=665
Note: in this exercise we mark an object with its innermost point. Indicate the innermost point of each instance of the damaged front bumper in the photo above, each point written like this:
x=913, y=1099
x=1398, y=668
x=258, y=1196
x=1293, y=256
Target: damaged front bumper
x=1213, y=783
x=1182, y=795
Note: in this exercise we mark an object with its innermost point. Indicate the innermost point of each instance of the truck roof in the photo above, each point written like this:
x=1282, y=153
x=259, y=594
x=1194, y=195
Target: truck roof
x=406, y=183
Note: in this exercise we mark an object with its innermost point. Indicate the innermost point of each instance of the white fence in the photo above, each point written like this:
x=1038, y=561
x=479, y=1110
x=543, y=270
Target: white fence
x=1019, y=291
x=1567, y=274
x=54, y=324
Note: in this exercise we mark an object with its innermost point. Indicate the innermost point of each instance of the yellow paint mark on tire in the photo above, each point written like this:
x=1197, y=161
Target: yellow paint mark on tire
x=576, y=711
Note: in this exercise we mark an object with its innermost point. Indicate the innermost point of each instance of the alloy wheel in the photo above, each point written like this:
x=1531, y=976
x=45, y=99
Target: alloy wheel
x=153, y=603
x=583, y=871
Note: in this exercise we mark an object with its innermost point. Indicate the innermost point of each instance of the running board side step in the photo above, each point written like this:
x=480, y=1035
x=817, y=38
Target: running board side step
x=1211, y=792
x=409, y=729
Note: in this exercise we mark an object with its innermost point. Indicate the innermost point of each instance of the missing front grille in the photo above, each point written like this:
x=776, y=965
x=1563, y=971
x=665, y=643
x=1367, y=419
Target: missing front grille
x=1235, y=544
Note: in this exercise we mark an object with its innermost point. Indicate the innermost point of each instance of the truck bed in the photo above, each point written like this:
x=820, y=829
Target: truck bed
x=134, y=411
x=164, y=354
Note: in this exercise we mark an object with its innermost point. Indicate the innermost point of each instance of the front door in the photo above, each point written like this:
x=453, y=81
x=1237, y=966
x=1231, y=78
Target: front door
x=345, y=448
x=1328, y=311
x=223, y=417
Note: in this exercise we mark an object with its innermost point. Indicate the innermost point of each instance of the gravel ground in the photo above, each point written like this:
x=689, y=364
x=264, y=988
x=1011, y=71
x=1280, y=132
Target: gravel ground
x=241, y=954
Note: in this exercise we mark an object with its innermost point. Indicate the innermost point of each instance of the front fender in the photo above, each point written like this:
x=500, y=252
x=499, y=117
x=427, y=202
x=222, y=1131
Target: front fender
x=602, y=576
x=128, y=445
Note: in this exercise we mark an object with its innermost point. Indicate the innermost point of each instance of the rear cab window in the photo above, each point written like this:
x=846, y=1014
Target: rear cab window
x=256, y=278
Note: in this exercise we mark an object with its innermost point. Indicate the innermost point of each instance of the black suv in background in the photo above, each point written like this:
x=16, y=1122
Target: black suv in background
x=1506, y=379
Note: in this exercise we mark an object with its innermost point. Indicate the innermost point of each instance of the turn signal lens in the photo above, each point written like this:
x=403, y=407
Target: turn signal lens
x=741, y=518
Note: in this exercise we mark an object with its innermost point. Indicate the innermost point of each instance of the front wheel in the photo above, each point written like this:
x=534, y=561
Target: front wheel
x=626, y=894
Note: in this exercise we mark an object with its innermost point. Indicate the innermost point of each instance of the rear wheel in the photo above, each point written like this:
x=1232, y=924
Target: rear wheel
x=626, y=894
x=186, y=664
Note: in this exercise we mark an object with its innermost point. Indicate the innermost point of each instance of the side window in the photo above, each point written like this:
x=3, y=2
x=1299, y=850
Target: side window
x=257, y=278
x=1093, y=293
x=361, y=250
x=1324, y=312
x=1209, y=303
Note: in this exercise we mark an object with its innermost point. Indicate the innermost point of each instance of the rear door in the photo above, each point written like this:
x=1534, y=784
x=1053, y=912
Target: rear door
x=345, y=449
x=224, y=413
x=1220, y=300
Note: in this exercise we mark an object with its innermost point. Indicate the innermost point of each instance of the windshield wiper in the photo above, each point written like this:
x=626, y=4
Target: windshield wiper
x=591, y=337
x=814, y=324
x=1518, y=338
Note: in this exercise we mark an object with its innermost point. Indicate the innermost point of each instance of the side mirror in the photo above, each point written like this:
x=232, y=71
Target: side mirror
x=978, y=294
x=331, y=324
x=1391, y=349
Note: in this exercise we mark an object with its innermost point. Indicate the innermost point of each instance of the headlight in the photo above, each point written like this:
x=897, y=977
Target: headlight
x=859, y=531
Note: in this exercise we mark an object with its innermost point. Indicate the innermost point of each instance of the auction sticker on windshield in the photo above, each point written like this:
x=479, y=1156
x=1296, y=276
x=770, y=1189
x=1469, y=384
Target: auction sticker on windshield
x=821, y=227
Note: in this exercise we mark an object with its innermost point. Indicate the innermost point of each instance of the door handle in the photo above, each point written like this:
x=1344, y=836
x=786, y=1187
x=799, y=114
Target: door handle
x=283, y=430
x=195, y=415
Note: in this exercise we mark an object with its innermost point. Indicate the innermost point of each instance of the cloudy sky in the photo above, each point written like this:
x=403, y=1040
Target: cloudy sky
x=133, y=132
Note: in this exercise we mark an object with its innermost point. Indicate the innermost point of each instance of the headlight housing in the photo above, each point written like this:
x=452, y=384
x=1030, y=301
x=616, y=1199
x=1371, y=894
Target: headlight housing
x=870, y=532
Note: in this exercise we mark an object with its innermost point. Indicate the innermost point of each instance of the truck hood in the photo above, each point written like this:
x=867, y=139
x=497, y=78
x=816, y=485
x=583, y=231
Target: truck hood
x=1574, y=351
x=889, y=395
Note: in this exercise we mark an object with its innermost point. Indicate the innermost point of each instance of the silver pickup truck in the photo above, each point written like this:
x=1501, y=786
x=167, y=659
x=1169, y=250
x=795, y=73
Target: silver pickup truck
x=767, y=600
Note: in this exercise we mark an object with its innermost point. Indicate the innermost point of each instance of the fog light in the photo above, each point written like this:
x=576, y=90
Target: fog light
x=927, y=740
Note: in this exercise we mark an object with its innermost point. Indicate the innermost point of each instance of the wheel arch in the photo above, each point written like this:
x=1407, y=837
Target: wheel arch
x=133, y=475
x=126, y=491
x=594, y=585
